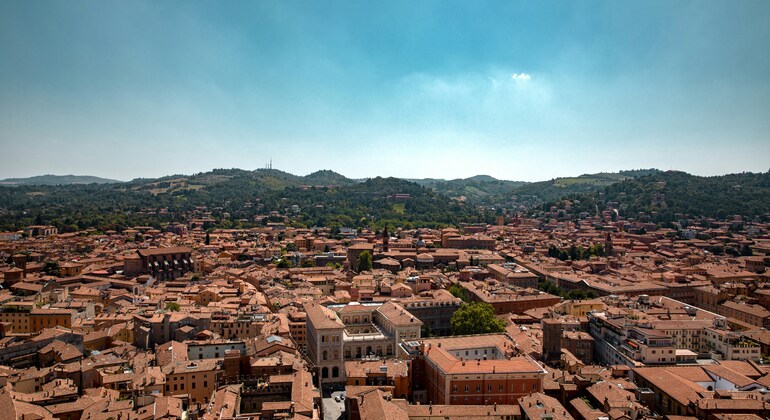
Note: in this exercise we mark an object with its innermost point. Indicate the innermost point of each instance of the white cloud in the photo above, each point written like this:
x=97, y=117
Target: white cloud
x=520, y=76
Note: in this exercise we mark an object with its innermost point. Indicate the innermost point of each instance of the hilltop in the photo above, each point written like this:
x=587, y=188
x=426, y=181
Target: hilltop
x=535, y=193
x=479, y=189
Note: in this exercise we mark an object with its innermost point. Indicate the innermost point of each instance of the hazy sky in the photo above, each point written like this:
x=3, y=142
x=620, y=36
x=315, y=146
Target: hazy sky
x=517, y=90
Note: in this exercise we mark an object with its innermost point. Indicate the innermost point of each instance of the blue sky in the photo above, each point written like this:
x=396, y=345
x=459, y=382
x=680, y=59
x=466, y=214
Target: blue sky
x=517, y=90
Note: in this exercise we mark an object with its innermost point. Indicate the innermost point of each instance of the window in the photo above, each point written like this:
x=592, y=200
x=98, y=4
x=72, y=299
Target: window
x=205, y=384
x=478, y=388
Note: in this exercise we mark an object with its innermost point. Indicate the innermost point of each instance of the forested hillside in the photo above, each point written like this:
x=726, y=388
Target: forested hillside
x=536, y=193
x=668, y=193
x=234, y=197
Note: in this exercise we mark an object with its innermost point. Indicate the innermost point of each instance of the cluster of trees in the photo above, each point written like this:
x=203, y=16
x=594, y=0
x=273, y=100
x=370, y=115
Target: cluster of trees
x=575, y=294
x=476, y=318
x=575, y=253
x=459, y=292
x=365, y=261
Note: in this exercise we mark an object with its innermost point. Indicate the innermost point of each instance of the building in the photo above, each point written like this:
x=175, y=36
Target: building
x=478, y=369
x=435, y=312
x=355, y=331
x=161, y=263
x=354, y=251
x=47, y=318
x=198, y=379
x=513, y=274
x=324, y=342
x=298, y=328
x=391, y=372
x=507, y=299
x=212, y=349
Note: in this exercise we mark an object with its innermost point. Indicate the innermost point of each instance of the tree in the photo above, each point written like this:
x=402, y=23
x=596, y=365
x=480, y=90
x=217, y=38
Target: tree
x=365, y=261
x=476, y=318
x=284, y=263
x=51, y=268
x=173, y=306
x=459, y=292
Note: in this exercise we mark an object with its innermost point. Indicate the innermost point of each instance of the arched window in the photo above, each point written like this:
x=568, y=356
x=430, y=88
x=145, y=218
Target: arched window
x=325, y=355
x=325, y=372
x=335, y=372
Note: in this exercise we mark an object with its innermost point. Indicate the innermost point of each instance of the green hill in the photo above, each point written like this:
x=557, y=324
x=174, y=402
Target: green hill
x=665, y=194
x=234, y=197
x=536, y=193
x=327, y=177
x=479, y=189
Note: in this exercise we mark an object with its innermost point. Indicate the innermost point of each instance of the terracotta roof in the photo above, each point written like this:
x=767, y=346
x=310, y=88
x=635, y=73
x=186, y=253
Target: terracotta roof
x=322, y=318
x=163, y=251
x=396, y=314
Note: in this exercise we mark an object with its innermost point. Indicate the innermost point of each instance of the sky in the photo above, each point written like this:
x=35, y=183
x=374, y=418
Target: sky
x=520, y=90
